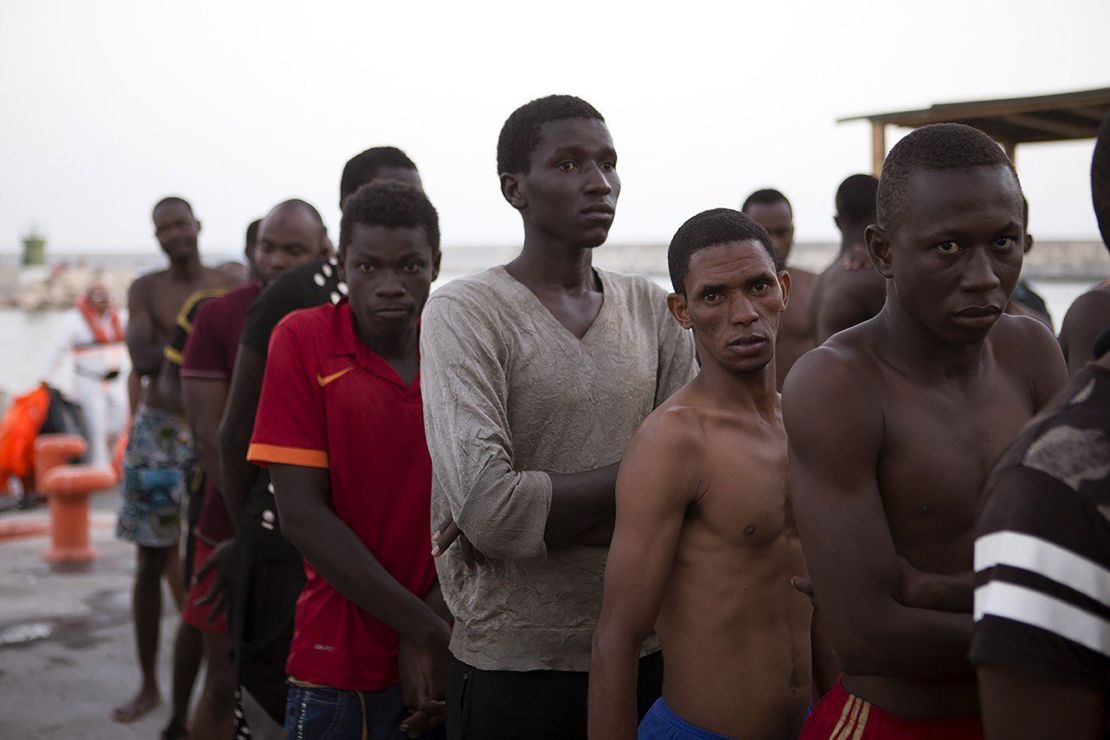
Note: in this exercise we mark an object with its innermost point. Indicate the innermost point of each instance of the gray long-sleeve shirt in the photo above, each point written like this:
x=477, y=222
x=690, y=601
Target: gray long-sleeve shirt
x=511, y=395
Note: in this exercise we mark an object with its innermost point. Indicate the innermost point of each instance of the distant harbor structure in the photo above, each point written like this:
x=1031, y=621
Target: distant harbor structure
x=34, y=249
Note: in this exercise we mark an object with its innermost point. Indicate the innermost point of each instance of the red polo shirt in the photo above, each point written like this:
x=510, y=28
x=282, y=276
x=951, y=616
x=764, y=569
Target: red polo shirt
x=210, y=355
x=329, y=401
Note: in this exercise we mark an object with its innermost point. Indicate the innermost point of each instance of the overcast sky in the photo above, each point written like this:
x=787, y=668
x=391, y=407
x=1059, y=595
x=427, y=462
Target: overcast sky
x=108, y=106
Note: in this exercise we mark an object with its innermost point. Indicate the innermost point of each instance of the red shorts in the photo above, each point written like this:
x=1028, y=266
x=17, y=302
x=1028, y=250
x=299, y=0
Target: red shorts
x=842, y=716
x=197, y=616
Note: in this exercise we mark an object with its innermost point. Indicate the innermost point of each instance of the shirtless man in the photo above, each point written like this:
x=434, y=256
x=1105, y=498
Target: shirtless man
x=850, y=290
x=705, y=543
x=1090, y=313
x=893, y=426
x=771, y=210
x=159, y=446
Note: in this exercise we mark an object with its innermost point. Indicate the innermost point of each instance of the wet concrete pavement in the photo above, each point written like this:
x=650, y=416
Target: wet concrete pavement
x=67, y=653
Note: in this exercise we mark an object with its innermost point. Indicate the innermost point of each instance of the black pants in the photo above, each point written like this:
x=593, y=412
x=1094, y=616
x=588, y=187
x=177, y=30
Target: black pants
x=269, y=579
x=537, y=705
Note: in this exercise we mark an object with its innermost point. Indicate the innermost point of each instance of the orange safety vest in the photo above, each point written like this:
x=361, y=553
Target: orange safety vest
x=97, y=327
x=18, y=431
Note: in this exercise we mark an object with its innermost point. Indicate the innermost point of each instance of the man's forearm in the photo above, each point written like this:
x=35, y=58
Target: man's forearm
x=614, y=671
x=906, y=642
x=436, y=603
x=948, y=592
x=341, y=559
x=580, y=503
x=236, y=474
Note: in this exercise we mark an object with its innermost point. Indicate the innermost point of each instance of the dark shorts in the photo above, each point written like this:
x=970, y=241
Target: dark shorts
x=538, y=705
x=317, y=713
x=661, y=723
x=268, y=579
x=840, y=714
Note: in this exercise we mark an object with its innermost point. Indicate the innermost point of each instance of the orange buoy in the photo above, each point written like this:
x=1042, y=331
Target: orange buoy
x=68, y=487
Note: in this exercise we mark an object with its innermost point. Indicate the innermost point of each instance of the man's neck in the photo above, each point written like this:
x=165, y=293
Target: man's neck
x=551, y=265
x=188, y=269
x=753, y=391
x=393, y=348
x=852, y=236
x=921, y=353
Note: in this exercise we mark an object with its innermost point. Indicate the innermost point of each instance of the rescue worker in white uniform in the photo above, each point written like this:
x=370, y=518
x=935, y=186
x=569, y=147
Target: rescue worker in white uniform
x=93, y=333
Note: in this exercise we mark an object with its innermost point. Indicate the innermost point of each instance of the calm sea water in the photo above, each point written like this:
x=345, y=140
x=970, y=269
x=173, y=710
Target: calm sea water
x=29, y=337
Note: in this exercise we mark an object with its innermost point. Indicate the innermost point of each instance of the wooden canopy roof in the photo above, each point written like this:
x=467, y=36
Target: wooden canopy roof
x=1012, y=121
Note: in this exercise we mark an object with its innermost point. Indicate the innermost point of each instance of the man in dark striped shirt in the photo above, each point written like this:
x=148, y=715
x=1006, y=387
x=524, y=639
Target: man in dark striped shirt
x=1042, y=562
x=1042, y=554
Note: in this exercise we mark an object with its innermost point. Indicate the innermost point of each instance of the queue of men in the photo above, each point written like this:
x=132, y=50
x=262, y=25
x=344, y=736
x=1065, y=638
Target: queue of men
x=554, y=501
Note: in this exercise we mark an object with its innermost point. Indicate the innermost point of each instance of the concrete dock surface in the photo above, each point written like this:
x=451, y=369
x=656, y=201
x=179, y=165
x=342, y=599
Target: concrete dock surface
x=67, y=651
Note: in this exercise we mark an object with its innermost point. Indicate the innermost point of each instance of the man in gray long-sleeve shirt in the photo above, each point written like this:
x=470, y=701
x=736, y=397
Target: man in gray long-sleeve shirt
x=535, y=375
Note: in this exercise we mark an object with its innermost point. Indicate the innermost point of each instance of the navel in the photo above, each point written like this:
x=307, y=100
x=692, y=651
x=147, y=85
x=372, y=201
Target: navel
x=749, y=530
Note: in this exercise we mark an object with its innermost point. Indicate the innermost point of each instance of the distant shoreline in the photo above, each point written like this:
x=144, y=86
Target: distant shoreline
x=66, y=276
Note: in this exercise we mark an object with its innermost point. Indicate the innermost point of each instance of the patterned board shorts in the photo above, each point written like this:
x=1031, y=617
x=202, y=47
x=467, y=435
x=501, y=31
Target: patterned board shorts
x=155, y=472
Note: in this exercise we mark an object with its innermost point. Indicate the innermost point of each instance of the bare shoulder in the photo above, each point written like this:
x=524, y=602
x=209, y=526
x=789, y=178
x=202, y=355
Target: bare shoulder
x=672, y=440
x=1094, y=305
x=843, y=363
x=1019, y=340
x=801, y=279
x=214, y=277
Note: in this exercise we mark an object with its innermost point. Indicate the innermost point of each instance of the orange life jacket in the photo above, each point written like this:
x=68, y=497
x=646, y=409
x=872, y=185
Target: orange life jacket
x=97, y=327
x=18, y=431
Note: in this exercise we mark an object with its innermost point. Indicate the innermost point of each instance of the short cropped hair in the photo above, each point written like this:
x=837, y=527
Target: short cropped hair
x=172, y=199
x=392, y=205
x=855, y=198
x=252, y=232
x=1100, y=180
x=521, y=133
x=766, y=197
x=364, y=166
x=709, y=229
x=937, y=147
x=298, y=203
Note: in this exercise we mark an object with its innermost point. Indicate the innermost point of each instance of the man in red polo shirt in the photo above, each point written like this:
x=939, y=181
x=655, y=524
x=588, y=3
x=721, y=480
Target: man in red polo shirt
x=291, y=235
x=340, y=425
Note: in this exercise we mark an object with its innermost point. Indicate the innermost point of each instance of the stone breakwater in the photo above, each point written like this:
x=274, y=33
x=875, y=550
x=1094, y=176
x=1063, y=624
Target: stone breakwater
x=58, y=285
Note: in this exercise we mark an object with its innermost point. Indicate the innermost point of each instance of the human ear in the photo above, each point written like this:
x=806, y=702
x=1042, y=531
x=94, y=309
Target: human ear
x=836, y=220
x=436, y=259
x=784, y=283
x=510, y=190
x=676, y=304
x=1028, y=243
x=879, y=249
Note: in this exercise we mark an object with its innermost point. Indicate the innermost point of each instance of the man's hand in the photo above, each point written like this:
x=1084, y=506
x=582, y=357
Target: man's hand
x=422, y=684
x=939, y=591
x=803, y=586
x=446, y=534
x=223, y=559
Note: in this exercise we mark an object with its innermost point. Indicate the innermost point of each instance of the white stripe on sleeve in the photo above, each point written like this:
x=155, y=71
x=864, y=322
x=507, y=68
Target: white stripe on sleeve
x=1002, y=599
x=1045, y=558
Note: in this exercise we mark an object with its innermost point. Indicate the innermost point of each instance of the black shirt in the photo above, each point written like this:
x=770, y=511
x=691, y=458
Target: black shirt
x=313, y=284
x=1042, y=549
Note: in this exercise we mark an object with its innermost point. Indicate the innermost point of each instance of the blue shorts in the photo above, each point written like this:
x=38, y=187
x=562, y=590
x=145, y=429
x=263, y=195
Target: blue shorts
x=660, y=723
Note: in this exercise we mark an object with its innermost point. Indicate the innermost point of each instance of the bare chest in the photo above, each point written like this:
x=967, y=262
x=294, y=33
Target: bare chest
x=938, y=447
x=746, y=502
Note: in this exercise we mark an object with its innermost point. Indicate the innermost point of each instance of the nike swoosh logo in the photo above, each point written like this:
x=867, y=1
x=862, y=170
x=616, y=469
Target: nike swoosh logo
x=325, y=379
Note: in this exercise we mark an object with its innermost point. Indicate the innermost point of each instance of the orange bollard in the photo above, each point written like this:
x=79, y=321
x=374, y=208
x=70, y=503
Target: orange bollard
x=52, y=450
x=69, y=487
